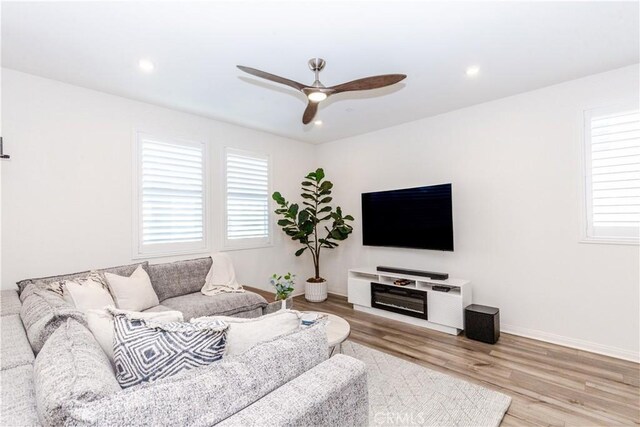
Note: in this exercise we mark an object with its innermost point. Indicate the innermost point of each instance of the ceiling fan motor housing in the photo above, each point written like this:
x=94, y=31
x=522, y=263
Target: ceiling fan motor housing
x=316, y=64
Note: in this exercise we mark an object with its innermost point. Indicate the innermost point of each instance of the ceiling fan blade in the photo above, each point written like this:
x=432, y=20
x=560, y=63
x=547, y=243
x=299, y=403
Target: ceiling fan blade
x=367, y=83
x=310, y=112
x=272, y=77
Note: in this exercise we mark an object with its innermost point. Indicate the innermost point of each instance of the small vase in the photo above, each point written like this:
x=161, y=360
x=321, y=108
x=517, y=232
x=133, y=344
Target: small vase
x=284, y=304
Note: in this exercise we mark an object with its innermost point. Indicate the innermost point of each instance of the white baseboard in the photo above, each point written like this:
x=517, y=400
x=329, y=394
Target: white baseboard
x=592, y=347
x=293, y=294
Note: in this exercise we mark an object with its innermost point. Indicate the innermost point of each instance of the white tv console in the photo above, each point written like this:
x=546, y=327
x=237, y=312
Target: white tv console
x=445, y=310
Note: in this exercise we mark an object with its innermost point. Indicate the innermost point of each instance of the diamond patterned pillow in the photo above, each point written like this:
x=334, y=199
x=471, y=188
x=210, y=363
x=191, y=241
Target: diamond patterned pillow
x=147, y=351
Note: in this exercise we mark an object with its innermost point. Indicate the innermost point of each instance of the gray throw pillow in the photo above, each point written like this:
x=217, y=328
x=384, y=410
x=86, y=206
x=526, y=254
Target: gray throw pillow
x=145, y=350
x=43, y=312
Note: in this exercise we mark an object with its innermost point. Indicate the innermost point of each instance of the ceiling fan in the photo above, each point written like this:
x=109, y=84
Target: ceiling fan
x=317, y=92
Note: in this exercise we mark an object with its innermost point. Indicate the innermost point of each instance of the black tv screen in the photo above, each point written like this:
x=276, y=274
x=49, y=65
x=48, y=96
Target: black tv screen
x=419, y=218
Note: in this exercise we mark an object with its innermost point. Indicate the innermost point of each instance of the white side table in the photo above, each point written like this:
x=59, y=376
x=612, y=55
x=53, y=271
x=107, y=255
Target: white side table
x=338, y=331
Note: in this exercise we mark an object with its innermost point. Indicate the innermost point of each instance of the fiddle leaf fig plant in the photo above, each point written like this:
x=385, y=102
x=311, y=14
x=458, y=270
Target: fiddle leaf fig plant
x=316, y=225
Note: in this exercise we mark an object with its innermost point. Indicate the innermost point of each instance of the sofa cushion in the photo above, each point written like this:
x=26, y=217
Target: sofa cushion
x=70, y=369
x=226, y=304
x=43, y=312
x=251, y=314
x=9, y=303
x=15, y=350
x=245, y=333
x=18, y=402
x=158, y=309
x=145, y=350
x=121, y=270
x=334, y=393
x=178, y=278
x=29, y=289
x=208, y=395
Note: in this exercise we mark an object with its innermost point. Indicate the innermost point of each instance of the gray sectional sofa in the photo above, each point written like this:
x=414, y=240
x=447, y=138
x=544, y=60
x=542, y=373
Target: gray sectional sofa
x=177, y=285
x=53, y=371
x=18, y=404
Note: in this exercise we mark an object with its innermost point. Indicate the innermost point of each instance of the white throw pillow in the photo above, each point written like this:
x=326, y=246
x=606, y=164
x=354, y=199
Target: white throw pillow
x=87, y=293
x=245, y=333
x=101, y=324
x=134, y=292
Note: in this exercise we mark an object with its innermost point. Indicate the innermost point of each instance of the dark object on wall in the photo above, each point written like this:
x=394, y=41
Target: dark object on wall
x=419, y=218
x=482, y=323
x=2, y=155
x=430, y=274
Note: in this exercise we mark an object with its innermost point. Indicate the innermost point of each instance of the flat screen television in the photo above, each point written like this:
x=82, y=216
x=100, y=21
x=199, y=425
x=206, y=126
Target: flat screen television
x=420, y=218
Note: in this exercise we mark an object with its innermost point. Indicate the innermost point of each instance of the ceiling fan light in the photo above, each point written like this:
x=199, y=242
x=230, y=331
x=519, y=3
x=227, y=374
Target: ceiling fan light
x=317, y=96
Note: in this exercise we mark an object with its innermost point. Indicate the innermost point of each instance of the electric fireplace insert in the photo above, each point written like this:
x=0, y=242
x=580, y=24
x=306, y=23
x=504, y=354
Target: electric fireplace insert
x=407, y=301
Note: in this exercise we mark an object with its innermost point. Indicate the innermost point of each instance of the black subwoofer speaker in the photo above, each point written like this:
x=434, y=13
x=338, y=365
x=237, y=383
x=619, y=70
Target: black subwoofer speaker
x=482, y=323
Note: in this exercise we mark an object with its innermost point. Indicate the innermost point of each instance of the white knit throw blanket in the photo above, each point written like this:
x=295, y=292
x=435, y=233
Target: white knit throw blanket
x=221, y=277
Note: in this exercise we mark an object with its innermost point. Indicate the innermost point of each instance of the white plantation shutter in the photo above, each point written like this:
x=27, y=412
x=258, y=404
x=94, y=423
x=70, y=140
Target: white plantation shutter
x=247, y=198
x=613, y=174
x=171, y=196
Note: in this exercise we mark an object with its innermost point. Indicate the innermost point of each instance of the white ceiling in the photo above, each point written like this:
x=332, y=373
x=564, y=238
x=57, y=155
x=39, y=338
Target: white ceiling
x=519, y=46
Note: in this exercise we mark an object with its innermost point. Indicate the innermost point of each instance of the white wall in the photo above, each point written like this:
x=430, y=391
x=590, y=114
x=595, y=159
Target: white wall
x=514, y=163
x=516, y=172
x=67, y=190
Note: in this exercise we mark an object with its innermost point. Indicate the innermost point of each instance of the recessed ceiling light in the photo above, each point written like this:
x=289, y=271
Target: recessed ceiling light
x=317, y=122
x=472, y=71
x=146, y=65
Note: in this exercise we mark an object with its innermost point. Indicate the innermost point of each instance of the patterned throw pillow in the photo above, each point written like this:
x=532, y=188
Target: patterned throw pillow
x=147, y=351
x=101, y=323
x=90, y=278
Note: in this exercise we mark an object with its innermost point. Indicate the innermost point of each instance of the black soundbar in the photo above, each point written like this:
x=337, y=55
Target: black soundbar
x=429, y=274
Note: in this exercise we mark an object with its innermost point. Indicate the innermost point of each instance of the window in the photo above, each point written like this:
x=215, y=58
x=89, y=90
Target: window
x=247, y=199
x=171, y=199
x=612, y=160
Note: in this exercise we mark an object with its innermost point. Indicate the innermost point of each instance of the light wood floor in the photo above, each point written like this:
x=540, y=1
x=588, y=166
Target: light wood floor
x=548, y=384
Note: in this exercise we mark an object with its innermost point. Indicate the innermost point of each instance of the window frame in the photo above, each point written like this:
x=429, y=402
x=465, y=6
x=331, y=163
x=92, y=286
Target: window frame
x=588, y=234
x=139, y=250
x=250, y=243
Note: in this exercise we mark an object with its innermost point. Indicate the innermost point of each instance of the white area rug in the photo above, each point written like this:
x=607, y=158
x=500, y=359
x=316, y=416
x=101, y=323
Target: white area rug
x=402, y=393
